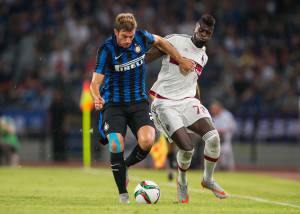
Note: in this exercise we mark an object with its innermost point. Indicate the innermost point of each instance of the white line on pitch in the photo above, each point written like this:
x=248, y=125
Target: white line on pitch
x=251, y=198
x=262, y=200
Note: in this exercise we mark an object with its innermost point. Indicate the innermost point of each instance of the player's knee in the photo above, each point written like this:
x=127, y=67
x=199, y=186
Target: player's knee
x=212, y=144
x=185, y=155
x=184, y=158
x=146, y=141
x=115, y=143
x=187, y=147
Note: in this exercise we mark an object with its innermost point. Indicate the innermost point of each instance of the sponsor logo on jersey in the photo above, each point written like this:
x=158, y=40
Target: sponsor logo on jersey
x=131, y=64
x=117, y=57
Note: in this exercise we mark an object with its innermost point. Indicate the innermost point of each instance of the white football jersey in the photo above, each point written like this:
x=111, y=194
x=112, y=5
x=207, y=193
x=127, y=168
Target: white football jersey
x=171, y=83
x=225, y=123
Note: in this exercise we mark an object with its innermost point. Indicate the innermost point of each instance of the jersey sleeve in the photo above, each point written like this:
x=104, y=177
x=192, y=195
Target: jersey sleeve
x=171, y=38
x=148, y=38
x=103, y=60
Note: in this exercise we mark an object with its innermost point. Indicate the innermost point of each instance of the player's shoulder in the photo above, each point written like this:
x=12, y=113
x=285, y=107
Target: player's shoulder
x=140, y=31
x=106, y=45
x=143, y=33
x=108, y=42
x=177, y=36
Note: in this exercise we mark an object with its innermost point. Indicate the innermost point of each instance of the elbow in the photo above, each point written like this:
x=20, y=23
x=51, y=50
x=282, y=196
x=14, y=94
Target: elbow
x=158, y=41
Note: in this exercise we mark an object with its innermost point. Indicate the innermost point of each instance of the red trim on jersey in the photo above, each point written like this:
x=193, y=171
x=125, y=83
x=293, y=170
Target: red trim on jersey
x=154, y=94
x=173, y=61
x=198, y=68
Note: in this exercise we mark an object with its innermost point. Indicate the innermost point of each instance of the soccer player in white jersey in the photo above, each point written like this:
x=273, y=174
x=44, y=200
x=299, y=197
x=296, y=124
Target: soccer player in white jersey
x=176, y=111
x=226, y=126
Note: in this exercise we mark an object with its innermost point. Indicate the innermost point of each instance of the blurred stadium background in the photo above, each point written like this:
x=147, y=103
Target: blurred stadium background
x=48, y=47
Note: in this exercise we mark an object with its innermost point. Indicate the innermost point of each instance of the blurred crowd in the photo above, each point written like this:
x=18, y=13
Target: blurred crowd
x=254, y=57
x=9, y=142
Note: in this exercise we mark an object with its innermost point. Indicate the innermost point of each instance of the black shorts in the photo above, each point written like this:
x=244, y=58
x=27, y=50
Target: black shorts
x=115, y=118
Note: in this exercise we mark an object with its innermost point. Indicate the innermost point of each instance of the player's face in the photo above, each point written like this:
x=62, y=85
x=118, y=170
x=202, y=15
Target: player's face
x=214, y=109
x=203, y=32
x=124, y=38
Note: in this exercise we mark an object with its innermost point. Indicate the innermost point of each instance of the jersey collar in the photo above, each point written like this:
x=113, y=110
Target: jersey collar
x=194, y=46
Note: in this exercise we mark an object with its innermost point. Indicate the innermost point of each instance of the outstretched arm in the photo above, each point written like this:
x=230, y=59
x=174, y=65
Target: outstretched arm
x=153, y=54
x=185, y=64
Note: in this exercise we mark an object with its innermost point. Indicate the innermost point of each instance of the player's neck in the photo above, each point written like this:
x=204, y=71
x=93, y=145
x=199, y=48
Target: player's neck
x=197, y=43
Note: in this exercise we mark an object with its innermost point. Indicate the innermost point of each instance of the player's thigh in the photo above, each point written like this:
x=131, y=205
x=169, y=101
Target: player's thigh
x=167, y=119
x=114, y=120
x=139, y=116
x=182, y=139
x=197, y=117
x=202, y=126
x=193, y=111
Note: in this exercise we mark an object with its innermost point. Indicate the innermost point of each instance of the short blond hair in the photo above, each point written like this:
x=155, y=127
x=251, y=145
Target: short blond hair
x=125, y=21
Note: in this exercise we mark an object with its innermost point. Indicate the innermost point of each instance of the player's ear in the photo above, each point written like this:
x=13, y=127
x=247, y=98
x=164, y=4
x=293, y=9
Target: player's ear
x=116, y=32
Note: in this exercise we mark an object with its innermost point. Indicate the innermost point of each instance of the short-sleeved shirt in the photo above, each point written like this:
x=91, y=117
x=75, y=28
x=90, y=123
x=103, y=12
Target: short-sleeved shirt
x=124, y=69
x=171, y=83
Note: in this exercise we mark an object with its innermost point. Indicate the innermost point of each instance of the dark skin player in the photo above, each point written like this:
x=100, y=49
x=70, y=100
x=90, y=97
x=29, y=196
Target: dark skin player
x=201, y=35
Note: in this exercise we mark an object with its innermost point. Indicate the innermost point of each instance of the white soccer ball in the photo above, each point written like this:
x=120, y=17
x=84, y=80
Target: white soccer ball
x=147, y=192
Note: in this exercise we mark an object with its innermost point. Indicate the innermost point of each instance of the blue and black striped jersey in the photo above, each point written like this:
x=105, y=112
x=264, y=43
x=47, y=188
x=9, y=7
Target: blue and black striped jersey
x=124, y=69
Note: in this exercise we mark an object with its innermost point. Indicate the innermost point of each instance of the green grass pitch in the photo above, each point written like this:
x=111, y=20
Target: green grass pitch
x=79, y=191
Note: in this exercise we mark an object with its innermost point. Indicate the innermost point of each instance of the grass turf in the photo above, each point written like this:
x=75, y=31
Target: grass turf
x=71, y=190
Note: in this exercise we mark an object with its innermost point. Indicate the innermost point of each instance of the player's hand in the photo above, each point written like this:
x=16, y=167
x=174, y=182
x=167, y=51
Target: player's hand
x=99, y=102
x=187, y=65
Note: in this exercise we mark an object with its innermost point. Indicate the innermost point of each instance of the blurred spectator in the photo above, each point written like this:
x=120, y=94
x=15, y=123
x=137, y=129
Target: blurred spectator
x=226, y=126
x=254, y=57
x=9, y=142
x=57, y=116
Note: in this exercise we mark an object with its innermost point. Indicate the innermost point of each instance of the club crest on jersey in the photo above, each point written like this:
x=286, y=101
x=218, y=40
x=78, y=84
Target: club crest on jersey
x=137, y=48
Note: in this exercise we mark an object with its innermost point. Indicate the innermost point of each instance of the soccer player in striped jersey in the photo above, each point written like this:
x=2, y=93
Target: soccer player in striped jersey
x=177, y=112
x=118, y=89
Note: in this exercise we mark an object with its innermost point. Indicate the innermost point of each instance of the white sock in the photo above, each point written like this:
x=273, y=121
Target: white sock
x=209, y=168
x=211, y=153
x=182, y=178
x=184, y=159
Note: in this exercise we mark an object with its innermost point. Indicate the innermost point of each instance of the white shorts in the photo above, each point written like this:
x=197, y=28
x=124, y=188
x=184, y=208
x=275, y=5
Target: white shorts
x=171, y=115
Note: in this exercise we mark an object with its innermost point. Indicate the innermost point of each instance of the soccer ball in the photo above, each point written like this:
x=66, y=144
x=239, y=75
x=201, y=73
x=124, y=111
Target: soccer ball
x=147, y=192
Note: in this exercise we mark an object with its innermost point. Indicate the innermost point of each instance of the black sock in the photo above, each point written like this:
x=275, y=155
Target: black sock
x=137, y=155
x=119, y=171
x=171, y=157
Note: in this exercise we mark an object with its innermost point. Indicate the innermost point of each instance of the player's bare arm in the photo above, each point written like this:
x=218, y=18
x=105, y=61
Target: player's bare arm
x=185, y=64
x=94, y=88
x=153, y=54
